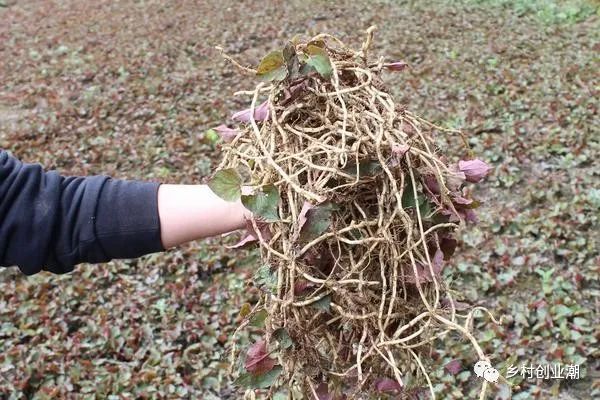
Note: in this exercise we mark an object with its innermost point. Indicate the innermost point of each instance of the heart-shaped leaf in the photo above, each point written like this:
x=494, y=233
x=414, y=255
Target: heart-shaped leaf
x=315, y=220
x=319, y=60
x=272, y=67
x=258, y=319
x=264, y=204
x=258, y=361
x=321, y=64
x=227, y=184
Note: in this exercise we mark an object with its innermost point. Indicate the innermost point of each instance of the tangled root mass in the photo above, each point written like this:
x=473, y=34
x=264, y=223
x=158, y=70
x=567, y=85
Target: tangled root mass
x=355, y=212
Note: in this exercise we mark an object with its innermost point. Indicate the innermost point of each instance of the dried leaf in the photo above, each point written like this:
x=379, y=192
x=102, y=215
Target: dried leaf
x=291, y=60
x=455, y=180
x=227, y=184
x=423, y=271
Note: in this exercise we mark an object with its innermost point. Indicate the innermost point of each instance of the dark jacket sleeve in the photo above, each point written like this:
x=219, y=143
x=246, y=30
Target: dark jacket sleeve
x=50, y=222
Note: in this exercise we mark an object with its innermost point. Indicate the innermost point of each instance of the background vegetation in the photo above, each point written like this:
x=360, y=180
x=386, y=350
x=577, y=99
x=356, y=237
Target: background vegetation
x=128, y=89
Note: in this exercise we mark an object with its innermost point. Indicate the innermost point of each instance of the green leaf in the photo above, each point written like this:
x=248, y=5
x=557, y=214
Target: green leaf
x=284, y=339
x=227, y=184
x=264, y=203
x=265, y=279
x=272, y=67
x=245, y=310
x=258, y=319
x=408, y=197
x=318, y=219
x=323, y=304
x=317, y=60
x=259, y=381
x=321, y=64
x=211, y=136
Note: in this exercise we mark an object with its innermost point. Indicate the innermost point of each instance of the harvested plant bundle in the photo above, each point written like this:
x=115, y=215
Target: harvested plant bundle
x=355, y=211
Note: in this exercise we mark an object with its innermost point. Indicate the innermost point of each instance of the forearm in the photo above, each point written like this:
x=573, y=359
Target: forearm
x=189, y=212
x=52, y=222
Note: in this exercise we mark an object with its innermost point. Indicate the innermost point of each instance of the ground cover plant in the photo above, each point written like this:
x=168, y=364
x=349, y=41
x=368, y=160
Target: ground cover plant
x=131, y=89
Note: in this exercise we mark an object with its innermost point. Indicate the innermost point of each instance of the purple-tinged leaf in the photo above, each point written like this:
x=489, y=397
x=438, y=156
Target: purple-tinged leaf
x=461, y=201
x=400, y=149
x=448, y=246
x=263, y=227
x=474, y=170
x=323, y=392
x=469, y=215
x=226, y=133
x=302, y=216
x=437, y=261
x=291, y=94
x=261, y=113
x=301, y=286
x=453, y=367
x=386, y=385
x=396, y=66
x=423, y=271
x=243, y=242
x=455, y=180
x=432, y=184
x=258, y=361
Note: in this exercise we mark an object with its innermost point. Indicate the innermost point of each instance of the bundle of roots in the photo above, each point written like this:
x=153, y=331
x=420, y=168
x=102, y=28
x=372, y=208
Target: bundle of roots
x=354, y=213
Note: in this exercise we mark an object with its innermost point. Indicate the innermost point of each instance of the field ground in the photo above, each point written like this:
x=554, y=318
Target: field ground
x=128, y=89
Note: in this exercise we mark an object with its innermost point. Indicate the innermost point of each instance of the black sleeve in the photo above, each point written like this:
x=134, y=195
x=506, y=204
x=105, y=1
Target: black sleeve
x=49, y=222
